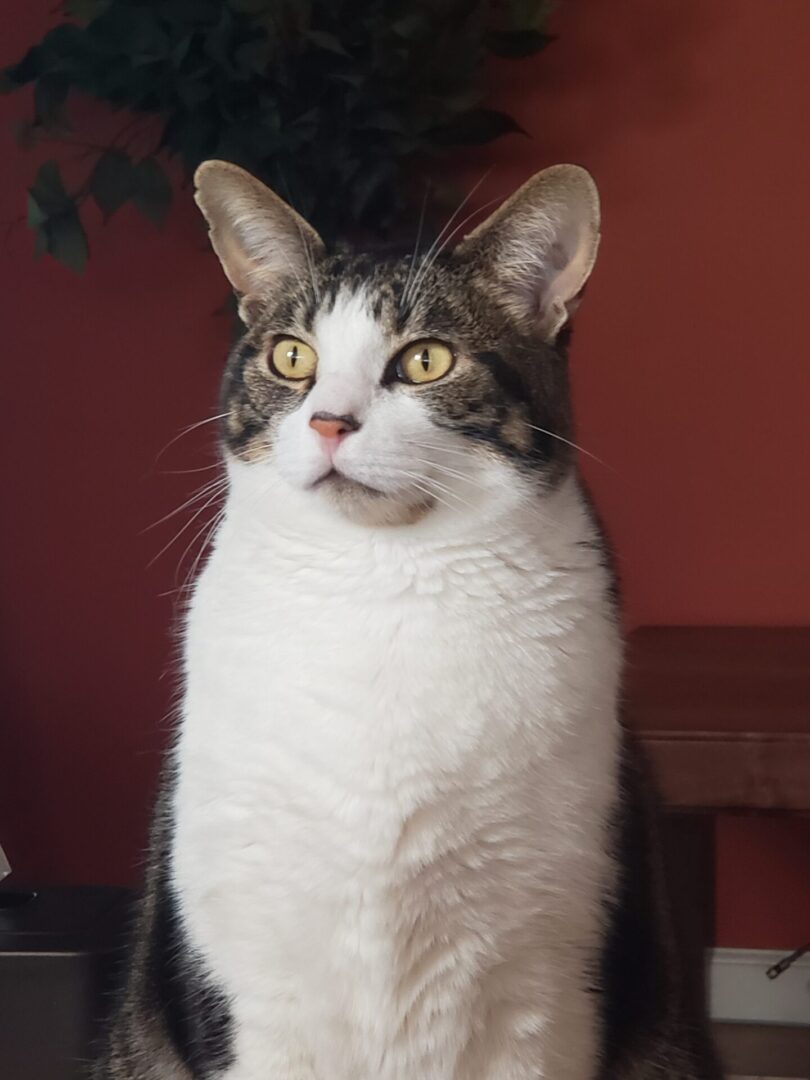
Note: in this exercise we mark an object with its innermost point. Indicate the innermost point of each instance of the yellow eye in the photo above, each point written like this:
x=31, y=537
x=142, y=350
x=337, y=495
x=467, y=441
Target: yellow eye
x=292, y=359
x=424, y=361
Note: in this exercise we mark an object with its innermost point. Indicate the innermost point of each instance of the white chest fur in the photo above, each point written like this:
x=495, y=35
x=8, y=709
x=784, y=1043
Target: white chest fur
x=396, y=765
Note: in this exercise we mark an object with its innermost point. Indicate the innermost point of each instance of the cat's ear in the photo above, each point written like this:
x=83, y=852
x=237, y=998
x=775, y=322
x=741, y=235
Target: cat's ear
x=538, y=248
x=257, y=236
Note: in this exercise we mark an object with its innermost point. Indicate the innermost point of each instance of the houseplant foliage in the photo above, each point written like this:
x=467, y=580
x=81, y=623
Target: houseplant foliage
x=331, y=102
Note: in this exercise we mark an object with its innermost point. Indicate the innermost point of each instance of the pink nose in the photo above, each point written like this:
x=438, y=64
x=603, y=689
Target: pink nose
x=333, y=427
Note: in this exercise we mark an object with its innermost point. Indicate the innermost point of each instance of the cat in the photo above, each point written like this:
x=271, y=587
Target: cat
x=401, y=834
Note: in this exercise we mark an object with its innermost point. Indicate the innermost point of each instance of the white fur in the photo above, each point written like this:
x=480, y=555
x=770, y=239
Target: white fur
x=397, y=757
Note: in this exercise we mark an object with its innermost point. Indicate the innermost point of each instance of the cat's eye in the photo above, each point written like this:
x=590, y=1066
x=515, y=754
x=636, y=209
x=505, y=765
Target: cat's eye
x=293, y=359
x=424, y=361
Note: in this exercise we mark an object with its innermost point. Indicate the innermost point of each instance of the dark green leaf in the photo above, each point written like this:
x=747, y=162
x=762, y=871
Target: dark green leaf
x=326, y=41
x=307, y=123
x=50, y=94
x=479, y=126
x=193, y=92
x=527, y=14
x=113, y=181
x=413, y=25
x=249, y=7
x=153, y=192
x=368, y=185
x=349, y=77
x=67, y=241
x=26, y=70
x=48, y=189
x=254, y=56
x=382, y=120
x=519, y=43
x=333, y=97
x=84, y=11
x=180, y=50
x=36, y=215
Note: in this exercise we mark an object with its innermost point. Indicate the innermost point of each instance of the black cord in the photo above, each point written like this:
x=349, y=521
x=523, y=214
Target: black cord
x=776, y=970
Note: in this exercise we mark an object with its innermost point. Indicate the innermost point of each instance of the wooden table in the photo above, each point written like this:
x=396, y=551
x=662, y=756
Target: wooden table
x=723, y=714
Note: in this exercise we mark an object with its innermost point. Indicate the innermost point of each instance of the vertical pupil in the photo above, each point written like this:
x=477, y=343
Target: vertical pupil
x=292, y=356
x=425, y=358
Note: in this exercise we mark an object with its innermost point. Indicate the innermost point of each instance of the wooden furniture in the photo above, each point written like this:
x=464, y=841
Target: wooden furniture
x=59, y=953
x=723, y=714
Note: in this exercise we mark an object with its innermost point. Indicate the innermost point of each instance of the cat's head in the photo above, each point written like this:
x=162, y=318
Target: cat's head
x=389, y=390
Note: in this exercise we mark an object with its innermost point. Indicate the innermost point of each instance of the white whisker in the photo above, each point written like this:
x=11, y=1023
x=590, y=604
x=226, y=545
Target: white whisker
x=573, y=445
x=310, y=265
x=187, y=430
x=416, y=481
x=189, y=472
x=437, y=447
x=416, y=244
x=429, y=260
x=209, y=529
x=219, y=482
x=552, y=434
x=187, y=525
x=431, y=483
x=449, y=472
x=407, y=297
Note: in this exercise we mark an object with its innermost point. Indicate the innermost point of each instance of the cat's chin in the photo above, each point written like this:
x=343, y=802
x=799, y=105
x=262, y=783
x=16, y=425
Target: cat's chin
x=365, y=505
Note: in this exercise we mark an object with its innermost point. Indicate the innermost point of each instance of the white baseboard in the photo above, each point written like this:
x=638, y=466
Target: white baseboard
x=741, y=992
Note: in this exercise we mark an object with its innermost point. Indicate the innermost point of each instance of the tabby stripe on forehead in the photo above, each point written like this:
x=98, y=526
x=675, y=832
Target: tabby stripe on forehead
x=310, y=311
x=245, y=350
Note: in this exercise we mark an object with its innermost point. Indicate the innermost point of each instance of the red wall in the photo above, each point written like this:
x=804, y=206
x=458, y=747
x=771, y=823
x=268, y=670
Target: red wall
x=691, y=381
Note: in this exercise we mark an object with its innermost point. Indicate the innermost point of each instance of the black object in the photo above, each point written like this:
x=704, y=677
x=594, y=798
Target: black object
x=59, y=952
x=775, y=970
